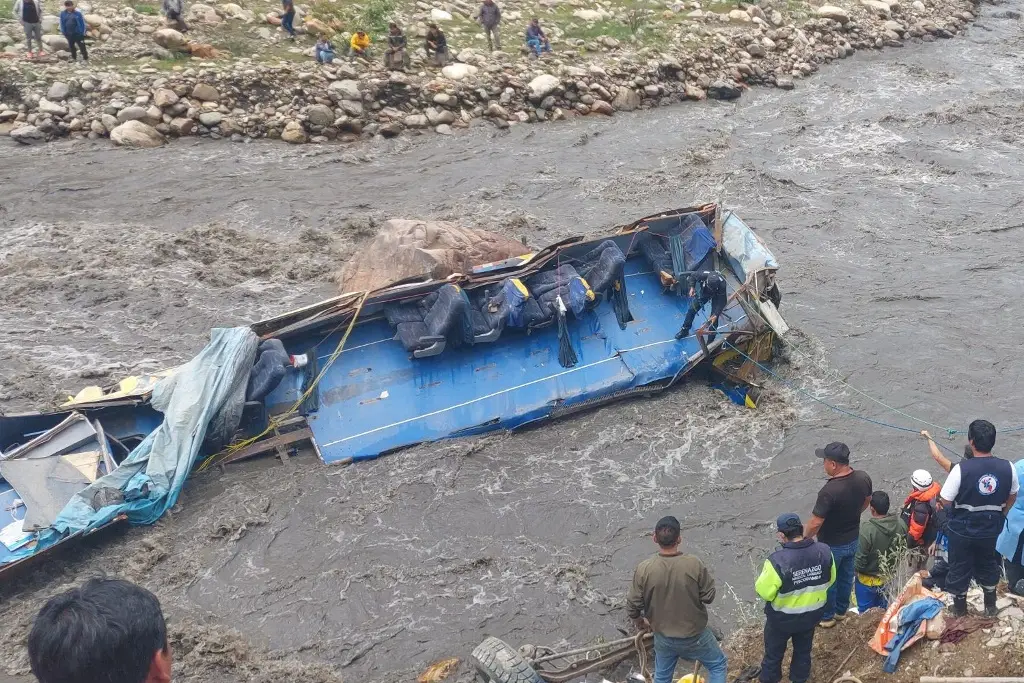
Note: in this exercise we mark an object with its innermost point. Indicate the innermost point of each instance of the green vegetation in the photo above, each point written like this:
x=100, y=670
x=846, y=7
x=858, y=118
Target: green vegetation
x=147, y=9
x=372, y=16
x=6, y=10
x=237, y=46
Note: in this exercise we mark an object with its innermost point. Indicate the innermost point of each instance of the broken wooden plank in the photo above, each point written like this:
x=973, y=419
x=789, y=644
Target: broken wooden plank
x=270, y=444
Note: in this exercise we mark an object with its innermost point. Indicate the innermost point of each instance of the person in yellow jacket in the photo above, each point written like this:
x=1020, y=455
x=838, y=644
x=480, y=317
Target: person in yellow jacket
x=359, y=44
x=794, y=584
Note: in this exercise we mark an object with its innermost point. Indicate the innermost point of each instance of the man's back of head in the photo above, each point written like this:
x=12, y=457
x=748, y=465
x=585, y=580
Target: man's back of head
x=106, y=630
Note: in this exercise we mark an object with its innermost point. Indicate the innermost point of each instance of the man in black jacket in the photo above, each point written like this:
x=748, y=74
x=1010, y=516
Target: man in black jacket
x=712, y=288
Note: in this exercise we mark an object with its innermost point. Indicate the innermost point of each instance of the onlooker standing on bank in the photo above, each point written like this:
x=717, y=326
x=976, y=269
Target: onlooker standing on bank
x=72, y=25
x=978, y=492
x=106, y=630
x=489, y=17
x=835, y=520
x=669, y=595
x=882, y=535
x=794, y=585
x=30, y=14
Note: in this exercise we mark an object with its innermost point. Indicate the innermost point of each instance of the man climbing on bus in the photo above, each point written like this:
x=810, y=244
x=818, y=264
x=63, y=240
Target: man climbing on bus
x=708, y=285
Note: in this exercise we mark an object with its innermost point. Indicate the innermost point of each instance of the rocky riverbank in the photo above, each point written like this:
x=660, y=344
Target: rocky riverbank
x=147, y=91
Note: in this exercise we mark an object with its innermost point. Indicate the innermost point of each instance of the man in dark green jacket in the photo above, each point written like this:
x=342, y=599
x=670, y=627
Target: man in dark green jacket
x=881, y=537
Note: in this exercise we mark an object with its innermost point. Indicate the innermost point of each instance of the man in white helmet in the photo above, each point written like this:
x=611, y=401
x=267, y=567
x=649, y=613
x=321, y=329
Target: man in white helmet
x=921, y=516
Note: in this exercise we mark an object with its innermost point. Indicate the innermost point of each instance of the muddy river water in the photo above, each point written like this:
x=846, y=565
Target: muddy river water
x=889, y=186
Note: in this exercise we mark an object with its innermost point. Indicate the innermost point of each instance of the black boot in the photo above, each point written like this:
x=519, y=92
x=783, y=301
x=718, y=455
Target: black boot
x=683, y=332
x=990, y=603
x=959, y=605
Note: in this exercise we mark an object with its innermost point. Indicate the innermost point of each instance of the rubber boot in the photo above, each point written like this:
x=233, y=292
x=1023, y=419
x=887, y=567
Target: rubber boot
x=683, y=332
x=959, y=605
x=990, y=603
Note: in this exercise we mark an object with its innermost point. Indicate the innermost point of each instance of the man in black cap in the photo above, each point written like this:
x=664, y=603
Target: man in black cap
x=669, y=595
x=712, y=288
x=794, y=584
x=835, y=520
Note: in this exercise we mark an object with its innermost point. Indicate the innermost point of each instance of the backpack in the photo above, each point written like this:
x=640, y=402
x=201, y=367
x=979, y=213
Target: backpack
x=930, y=525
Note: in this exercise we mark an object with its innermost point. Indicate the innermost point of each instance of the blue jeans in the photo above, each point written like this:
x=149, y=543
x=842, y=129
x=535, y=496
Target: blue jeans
x=325, y=56
x=702, y=648
x=286, y=23
x=869, y=596
x=538, y=46
x=838, y=601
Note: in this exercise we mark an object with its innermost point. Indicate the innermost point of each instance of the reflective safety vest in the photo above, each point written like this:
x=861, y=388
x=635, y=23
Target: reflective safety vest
x=794, y=583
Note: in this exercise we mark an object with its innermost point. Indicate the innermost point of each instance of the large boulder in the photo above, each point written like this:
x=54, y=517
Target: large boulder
x=203, y=14
x=834, y=13
x=320, y=115
x=458, y=72
x=131, y=114
x=169, y=39
x=55, y=43
x=205, y=93
x=58, y=91
x=345, y=90
x=626, y=99
x=28, y=135
x=164, y=97
x=52, y=108
x=294, y=133
x=542, y=86
x=411, y=248
x=136, y=134
x=724, y=90
x=440, y=15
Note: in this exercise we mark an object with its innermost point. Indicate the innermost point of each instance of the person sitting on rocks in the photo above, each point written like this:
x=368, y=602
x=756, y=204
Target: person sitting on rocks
x=536, y=39
x=359, y=46
x=173, y=10
x=436, y=46
x=394, y=56
x=324, y=50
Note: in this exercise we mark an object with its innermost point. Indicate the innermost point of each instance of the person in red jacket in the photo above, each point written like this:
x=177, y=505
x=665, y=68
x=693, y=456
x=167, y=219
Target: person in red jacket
x=920, y=513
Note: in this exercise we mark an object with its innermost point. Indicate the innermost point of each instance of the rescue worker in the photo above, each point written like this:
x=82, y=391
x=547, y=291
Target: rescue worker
x=669, y=595
x=978, y=493
x=794, y=585
x=712, y=288
x=919, y=514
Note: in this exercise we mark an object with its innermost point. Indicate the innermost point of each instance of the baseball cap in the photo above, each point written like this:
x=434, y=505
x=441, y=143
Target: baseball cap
x=836, y=451
x=788, y=522
x=668, y=522
x=921, y=479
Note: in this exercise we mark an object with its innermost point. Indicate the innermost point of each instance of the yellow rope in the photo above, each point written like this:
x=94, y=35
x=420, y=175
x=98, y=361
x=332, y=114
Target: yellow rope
x=278, y=419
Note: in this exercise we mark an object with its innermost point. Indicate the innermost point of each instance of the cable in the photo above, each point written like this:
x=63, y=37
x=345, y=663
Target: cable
x=831, y=406
x=278, y=419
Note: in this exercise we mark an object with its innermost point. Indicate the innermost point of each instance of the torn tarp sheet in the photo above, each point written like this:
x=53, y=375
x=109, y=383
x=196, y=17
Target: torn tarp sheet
x=152, y=476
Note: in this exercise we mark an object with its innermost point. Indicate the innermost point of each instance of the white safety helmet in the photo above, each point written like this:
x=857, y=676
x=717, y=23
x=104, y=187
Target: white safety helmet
x=921, y=479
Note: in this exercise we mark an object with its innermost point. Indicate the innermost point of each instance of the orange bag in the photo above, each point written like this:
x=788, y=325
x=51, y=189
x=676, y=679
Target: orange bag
x=890, y=622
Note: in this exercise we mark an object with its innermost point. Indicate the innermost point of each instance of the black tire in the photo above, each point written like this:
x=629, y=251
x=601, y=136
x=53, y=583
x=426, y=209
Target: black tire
x=498, y=662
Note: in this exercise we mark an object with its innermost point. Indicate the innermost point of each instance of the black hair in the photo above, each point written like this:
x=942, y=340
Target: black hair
x=880, y=502
x=793, y=533
x=982, y=434
x=106, y=630
x=666, y=536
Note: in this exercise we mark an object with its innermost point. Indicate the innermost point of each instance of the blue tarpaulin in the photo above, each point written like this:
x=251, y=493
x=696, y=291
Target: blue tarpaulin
x=150, y=479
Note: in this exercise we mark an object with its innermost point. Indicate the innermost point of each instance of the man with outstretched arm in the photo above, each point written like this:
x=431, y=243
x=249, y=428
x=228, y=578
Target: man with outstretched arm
x=978, y=493
x=669, y=595
x=794, y=584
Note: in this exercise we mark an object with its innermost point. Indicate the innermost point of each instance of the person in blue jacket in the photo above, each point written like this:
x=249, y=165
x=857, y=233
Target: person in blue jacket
x=1010, y=543
x=72, y=25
